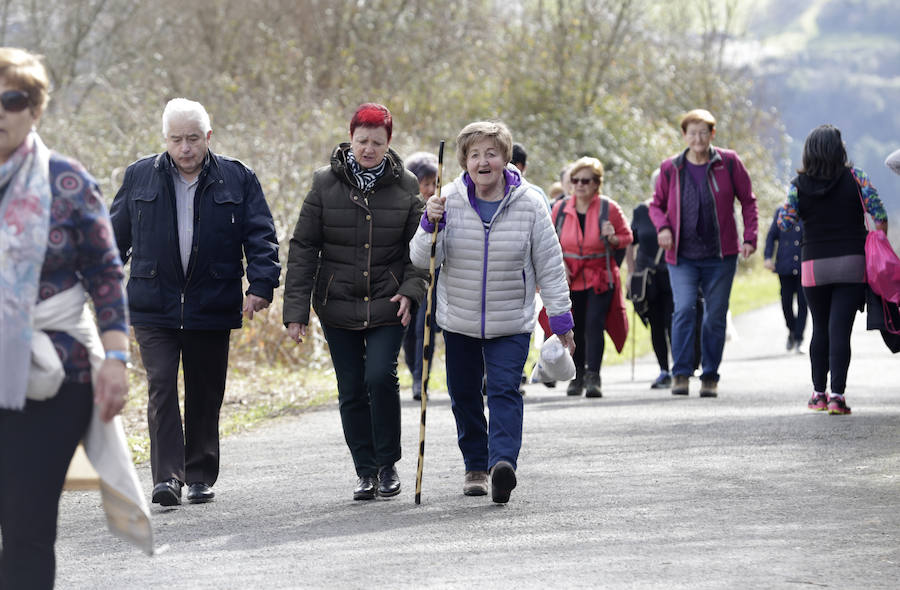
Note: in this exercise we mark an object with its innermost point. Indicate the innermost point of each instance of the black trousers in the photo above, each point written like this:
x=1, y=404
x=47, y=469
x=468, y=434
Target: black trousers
x=365, y=364
x=659, y=316
x=36, y=446
x=589, y=311
x=791, y=287
x=190, y=455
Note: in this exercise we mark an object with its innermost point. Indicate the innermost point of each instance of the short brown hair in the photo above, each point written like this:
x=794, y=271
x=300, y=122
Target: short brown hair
x=592, y=164
x=484, y=129
x=698, y=116
x=25, y=71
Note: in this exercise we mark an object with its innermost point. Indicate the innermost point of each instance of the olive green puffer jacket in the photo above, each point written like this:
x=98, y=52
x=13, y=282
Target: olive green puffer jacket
x=350, y=249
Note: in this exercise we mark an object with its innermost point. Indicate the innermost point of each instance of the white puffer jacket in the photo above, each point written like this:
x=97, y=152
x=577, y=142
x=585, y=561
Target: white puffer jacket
x=488, y=276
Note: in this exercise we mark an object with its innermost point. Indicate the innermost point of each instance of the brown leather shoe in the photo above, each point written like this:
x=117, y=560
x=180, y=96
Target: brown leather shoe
x=476, y=483
x=709, y=388
x=680, y=385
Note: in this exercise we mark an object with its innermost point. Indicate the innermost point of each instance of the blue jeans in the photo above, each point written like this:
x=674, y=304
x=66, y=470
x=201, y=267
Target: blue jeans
x=365, y=364
x=501, y=360
x=713, y=276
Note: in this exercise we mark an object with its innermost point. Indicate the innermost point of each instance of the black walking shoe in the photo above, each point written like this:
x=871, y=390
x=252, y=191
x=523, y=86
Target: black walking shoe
x=503, y=481
x=199, y=492
x=575, y=387
x=680, y=385
x=388, y=481
x=365, y=487
x=167, y=493
x=592, y=384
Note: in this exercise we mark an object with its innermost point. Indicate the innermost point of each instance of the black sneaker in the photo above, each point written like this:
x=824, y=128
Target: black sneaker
x=575, y=387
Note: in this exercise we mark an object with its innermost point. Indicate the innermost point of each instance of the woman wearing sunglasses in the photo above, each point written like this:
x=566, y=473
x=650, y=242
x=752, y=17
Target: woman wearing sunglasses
x=590, y=227
x=55, y=235
x=349, y=256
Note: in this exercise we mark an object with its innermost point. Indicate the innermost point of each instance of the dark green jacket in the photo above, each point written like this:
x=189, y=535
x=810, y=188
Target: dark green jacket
x=350, y=250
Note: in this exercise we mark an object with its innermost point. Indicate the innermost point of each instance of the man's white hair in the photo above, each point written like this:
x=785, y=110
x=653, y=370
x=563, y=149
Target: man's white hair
x=182, y=108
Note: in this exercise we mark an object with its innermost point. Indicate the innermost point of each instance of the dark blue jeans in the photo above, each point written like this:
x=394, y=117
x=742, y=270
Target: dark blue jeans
x=365, y=364
x=713, y=276
x=501, y=360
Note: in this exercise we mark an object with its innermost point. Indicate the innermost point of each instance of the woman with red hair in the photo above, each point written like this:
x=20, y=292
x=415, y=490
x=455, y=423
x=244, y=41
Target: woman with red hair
x=349, y=258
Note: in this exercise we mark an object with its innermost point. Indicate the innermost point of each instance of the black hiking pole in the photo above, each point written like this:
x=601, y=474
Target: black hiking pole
x=428, y=346
x=633, y=337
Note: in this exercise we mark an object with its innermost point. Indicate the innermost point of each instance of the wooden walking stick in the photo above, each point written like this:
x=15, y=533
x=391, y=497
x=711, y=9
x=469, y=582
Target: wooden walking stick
x=428, y=346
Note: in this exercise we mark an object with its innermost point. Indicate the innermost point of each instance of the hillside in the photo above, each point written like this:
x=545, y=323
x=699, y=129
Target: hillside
x=838, y=62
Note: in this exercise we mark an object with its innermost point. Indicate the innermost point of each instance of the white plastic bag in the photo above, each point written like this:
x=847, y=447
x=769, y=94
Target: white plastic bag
x=555, y=364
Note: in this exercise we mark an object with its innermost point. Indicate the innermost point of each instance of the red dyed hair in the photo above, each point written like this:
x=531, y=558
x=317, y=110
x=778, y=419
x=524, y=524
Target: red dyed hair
x=372, y=114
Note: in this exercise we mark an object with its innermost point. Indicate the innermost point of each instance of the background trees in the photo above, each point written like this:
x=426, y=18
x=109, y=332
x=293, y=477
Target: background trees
x=281, y=78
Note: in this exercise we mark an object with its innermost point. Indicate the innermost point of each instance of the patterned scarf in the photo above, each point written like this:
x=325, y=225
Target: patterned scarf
x=24, y=230
x=365, y=177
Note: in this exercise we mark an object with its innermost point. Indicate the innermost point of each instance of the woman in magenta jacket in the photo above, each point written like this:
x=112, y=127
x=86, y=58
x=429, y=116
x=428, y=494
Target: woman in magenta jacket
x=693, y=211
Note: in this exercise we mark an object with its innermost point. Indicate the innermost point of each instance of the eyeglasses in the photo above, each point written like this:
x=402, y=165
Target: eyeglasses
x=700, y=134
x=14, y=101
x=577, y=181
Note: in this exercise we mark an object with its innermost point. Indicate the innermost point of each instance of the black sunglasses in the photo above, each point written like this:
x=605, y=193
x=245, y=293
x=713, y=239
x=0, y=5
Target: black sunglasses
x=14, y=101
x=576, y=181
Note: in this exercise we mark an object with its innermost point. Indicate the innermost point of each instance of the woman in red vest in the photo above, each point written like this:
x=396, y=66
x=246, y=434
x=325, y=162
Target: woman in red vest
x=591, y=227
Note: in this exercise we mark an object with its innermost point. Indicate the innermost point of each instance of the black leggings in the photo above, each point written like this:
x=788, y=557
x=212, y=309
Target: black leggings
x=36, y=447
x=589, y=311
x=659, y=316
x=833, y=309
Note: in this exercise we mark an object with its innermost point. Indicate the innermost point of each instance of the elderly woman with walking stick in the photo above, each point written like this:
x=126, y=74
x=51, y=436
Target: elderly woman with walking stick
x=349, y=257
x=495, y=245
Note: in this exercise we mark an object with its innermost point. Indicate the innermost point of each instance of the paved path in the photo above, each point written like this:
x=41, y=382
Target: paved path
x=635, y=490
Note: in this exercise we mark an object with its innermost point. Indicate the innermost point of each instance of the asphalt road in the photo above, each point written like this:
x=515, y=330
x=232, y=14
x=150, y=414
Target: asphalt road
x=634, y=490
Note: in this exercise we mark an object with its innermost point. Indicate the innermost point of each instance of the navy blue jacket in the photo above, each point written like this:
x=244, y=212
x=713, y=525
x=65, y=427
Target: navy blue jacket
x=232, y=219
x=787, y=257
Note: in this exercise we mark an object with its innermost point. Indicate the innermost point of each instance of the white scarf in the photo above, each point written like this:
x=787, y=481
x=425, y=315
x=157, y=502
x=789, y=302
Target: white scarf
x=24, y=229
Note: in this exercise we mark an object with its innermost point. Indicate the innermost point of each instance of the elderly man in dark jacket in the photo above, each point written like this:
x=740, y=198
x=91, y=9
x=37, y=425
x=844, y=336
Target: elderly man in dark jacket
x=786, y=265
x=186, y=218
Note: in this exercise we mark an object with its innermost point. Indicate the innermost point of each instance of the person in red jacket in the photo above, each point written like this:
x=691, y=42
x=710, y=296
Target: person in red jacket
x=693, y=211
x=590, y=226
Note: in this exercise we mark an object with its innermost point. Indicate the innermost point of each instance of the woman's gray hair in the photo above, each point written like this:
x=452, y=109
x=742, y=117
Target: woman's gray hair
x=479, y=130
x=182, y=108
x=422, y=164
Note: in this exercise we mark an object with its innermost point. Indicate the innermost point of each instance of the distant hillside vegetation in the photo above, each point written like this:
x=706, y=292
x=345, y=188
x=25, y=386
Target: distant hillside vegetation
x=838, y=62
